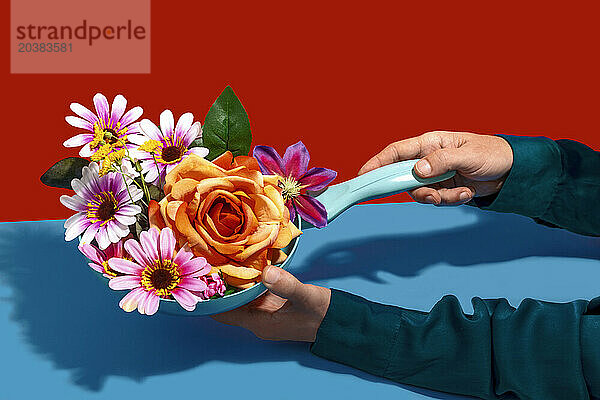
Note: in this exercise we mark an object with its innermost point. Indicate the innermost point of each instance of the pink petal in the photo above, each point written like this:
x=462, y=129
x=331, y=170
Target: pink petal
x=131, y=116
x=131, y=299
x=135, y=250
x=167, y=244
x=143, y=301
x=85, y=151
x=166, y=123
x=126, y=267
x=84, y=112
x=149, y=129
x=185, y=298
x=78, y=140
x=150, y=245
x=269, y=161
x=199, y=151
x=123, y=282
x=118, y=108
x=317, y=178
x=184, y=124
x=102, y=238
x=96, y=267
x=91, y=252
x=193, y=133
x=195, y=265
x=152, y=304
x=311, y=210
x=76, y=229
x=183, y=255
x=192, y=284
x=90, y=233
x=101, y=105
x=296, y=160
x=79, y=123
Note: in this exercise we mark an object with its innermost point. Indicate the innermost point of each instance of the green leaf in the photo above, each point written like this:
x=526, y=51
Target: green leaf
x=227, y=126
x=196, y=143
x=63, y=172
x=155, y=192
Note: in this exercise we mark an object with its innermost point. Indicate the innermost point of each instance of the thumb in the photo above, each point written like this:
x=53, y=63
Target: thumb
x=444, y=160
x=284, y=284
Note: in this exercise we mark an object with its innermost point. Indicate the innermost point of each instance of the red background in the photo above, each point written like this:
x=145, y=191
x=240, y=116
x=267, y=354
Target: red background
x=344, y=78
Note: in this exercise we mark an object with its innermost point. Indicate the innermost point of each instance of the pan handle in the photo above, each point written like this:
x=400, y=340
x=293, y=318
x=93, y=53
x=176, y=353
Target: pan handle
x=381, y=182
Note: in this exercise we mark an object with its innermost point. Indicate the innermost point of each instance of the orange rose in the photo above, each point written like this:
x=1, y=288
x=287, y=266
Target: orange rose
x=227, y=212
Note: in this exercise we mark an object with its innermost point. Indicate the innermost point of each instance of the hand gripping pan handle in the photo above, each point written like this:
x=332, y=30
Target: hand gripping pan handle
x=381, y=182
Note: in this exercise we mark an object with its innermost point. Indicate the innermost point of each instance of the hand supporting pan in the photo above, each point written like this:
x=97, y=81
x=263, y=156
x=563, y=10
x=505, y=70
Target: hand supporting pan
x=382, y=182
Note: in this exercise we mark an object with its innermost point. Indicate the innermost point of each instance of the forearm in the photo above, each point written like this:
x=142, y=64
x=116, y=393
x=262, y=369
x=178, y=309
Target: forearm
x=554, y=182
x=533, y=351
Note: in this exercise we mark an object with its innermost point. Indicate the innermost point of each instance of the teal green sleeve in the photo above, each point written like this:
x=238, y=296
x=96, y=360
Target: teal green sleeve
x=540, y=350
x=557, y=183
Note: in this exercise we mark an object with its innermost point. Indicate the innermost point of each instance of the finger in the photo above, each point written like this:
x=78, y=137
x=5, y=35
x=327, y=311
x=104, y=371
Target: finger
x=284, y=284
x=397, y=151
x=426, y=195
x=456, y=196
x=238, y=317
x=444, y=160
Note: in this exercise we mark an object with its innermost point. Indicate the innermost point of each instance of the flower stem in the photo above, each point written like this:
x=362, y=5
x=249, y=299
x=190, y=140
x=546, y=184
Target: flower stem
x=160, y=182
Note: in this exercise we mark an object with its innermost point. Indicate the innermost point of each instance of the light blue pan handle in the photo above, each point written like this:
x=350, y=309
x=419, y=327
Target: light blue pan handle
x=382, y=182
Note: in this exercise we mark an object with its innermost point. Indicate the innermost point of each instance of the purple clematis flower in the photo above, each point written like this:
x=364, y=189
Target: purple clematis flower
x=296, y=178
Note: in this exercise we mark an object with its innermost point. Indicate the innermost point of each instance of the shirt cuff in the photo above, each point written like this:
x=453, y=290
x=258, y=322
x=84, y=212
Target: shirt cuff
x=358, y=333
x=531, y=183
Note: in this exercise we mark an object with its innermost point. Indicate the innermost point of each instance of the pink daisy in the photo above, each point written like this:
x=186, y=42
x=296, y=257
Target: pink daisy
x=158, y=271
x=171, y=144
x=214, y=285
x=108, y=126
x=99, y=258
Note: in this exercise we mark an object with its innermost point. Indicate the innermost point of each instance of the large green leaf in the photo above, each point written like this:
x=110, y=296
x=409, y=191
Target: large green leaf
x=227, y=126
x=60, y=174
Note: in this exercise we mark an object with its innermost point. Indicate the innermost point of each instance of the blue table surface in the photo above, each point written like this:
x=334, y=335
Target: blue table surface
x=63, y=335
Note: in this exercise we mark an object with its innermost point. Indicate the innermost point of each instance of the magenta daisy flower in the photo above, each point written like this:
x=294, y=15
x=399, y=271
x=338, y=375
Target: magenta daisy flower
x=104, y=208
x=214, y=285
x=107, y=127
x=158, y=271
x=168, y=145
x=296, y=180
x=99, y=258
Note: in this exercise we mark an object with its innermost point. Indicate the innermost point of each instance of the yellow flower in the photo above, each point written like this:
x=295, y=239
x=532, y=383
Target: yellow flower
x=150, y=146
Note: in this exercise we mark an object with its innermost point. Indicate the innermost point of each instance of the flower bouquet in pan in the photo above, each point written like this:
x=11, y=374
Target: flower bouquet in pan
x=179, y=210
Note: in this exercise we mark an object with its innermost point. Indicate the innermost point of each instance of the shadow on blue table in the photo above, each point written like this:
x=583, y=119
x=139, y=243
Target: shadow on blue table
x=493, y=238
x=66, y=316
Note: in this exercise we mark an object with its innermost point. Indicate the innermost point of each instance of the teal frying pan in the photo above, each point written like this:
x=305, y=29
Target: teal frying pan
x=382, y=182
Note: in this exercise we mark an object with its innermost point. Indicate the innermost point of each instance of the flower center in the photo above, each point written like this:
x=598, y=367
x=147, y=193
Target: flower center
x=171, y=154
x=164, y=276
x=102, y=208
x=290, y=188
x=107, y=134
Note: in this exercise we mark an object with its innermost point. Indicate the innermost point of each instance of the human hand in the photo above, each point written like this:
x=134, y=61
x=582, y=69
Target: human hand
x=482, y=163
x=290, y=310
